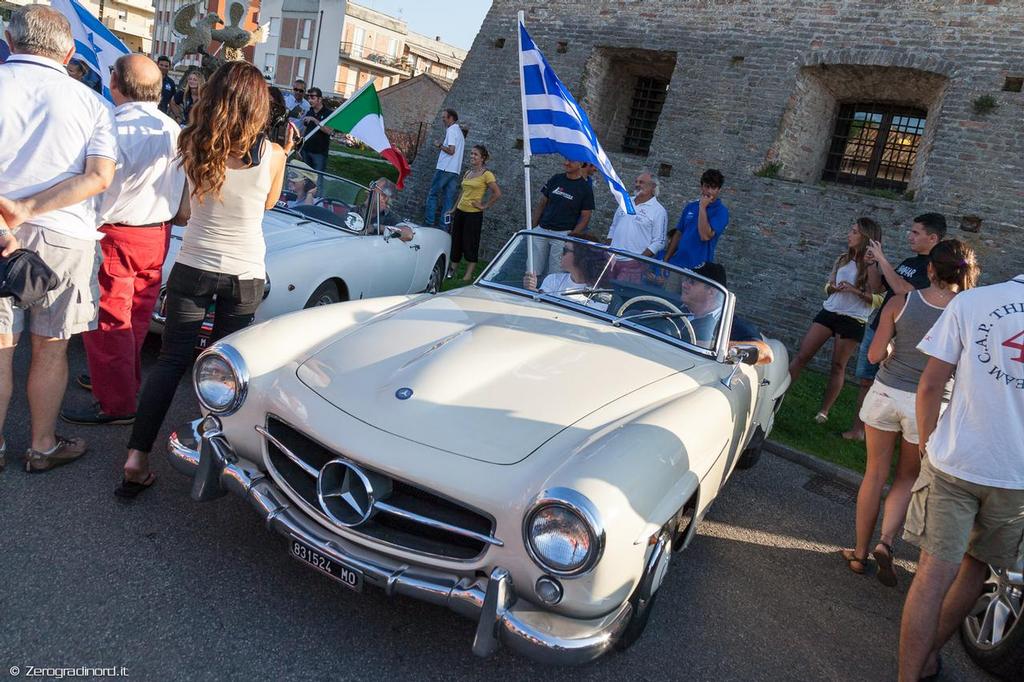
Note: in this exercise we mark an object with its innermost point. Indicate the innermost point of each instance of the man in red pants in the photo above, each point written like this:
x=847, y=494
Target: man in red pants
x=137, y=209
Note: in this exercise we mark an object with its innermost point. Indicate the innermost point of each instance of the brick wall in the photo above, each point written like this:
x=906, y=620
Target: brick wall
x=735, y=86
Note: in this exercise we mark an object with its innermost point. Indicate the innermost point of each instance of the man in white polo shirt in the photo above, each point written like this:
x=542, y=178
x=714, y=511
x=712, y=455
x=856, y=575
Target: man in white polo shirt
x=642, y=233
x=136, y=210
x=57, y=150
x=967, y=508
x=445, y=184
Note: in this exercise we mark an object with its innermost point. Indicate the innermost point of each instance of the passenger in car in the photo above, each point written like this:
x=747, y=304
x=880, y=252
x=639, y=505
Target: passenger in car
x=580, y=268
x=302, y=191
x=704, y=301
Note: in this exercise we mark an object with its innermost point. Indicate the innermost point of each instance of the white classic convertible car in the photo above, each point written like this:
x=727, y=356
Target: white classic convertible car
x=330, y=239
x=527, y=453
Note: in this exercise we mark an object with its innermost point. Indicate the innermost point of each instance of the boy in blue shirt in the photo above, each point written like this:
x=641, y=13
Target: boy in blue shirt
x=700, y=225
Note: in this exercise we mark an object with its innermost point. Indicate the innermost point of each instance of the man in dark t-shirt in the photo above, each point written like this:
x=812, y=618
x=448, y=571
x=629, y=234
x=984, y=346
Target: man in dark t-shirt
x=168, y=88
x=565, y=206
x=927, y=230
x=316, y=149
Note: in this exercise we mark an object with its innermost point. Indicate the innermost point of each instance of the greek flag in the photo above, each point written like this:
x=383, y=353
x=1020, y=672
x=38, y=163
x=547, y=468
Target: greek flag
x=95, y=45
x=555, y=123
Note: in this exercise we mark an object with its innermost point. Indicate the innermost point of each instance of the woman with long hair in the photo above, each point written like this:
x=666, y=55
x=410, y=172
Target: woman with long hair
x=850, y=288
x=889, y=413
x=234, y=175
x=468, y=214
x=185, y=100
x=580, y=266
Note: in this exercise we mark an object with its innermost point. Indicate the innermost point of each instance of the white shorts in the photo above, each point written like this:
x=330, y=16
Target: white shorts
x=893, y=410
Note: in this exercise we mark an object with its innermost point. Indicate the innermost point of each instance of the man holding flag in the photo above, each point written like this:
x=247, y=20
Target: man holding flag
x=362, y=117
x=57, y=151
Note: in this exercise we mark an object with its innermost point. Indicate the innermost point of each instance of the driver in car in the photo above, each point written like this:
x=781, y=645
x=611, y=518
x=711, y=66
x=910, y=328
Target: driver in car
x=384, y=190
x=704, y=302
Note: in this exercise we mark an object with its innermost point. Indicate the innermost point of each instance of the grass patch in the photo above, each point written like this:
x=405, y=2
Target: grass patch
x=795, y=426
x=769, y=170
x=460, y=269
x=358, y=170
x=361, y=150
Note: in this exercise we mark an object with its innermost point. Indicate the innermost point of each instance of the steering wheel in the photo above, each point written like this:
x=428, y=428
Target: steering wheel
x=664, y=304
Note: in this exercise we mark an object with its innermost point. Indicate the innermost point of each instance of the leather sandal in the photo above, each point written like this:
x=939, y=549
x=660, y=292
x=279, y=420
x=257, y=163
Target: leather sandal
x=849, y=556
x=886, y=569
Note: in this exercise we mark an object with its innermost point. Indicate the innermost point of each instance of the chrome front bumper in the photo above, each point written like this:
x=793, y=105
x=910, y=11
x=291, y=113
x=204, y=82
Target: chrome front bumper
x=201, y=451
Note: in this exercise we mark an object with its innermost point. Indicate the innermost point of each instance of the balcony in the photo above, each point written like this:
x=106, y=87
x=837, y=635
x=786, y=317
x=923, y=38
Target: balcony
x=364, y=55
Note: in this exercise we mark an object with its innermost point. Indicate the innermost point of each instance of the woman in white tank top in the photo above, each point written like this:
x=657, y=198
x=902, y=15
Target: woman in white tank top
x=850, y=289
x=234, y=175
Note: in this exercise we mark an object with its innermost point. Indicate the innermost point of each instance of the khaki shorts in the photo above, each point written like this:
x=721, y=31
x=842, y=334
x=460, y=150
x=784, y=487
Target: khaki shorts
x=70, y=308
x=949, y=517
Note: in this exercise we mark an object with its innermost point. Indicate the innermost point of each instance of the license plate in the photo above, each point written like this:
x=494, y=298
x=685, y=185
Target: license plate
x=349, y=577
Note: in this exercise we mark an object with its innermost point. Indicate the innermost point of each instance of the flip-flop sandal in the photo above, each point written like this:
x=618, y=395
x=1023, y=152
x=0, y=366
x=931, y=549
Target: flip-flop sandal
x=886, y=570
x=129, y=490
x=850, y=557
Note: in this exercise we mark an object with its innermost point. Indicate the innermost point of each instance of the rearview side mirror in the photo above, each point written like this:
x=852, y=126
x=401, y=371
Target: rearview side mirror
x=750, y=352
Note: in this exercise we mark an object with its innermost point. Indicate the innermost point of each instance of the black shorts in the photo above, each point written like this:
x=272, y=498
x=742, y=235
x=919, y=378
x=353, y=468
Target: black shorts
x=844, y=326
x=466, y=235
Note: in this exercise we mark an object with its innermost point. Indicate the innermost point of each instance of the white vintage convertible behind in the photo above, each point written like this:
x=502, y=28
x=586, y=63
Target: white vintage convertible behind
x=330, y=239
x=529, y=452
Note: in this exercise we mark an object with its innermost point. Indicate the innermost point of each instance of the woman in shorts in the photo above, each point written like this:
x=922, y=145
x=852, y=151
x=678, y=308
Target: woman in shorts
x=843, y=314
x=468, y=215
x=889, y=412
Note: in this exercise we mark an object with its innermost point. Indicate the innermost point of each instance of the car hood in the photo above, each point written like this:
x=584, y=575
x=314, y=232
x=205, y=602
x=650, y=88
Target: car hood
x=484, y=374
x=282, y=231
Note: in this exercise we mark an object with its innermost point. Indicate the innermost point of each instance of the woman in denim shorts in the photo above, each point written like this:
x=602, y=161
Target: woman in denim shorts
x=889, y=410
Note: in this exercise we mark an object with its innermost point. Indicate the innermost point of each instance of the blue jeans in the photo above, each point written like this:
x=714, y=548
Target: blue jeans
x=866, y=370
x=317, y=162
x=446, y=185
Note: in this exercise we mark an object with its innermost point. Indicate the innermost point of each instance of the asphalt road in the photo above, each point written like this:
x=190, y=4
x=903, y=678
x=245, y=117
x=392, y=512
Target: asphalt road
x=171, y=589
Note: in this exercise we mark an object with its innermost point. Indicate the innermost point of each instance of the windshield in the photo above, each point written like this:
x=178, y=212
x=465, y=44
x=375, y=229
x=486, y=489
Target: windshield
x=630, y=290
x=323, y=197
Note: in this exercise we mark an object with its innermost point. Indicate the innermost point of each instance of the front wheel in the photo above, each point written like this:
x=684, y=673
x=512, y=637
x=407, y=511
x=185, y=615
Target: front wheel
x=436, y=277
x=325, y=294
x=993, y=631
x=646, y=593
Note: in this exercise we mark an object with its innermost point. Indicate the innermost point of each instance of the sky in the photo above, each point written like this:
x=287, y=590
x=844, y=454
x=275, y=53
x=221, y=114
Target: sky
x=456, y=22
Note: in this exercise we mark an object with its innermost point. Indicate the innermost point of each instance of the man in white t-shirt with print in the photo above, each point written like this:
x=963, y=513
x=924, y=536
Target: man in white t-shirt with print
x=449, y=165
x=967, y=508
x=642, y=233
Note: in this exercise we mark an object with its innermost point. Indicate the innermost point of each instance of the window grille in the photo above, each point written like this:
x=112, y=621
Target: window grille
x=875, y=145
x=648, y=99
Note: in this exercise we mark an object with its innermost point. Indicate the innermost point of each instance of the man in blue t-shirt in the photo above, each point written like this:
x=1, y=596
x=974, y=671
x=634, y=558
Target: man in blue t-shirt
x=700, y=225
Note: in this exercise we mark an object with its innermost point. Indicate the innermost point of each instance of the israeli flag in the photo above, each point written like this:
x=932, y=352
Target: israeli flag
x=94, y=43
x=555, y=123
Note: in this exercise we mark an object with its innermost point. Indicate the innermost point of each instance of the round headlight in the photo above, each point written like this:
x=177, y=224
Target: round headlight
x=220, y=380
x=560, y=539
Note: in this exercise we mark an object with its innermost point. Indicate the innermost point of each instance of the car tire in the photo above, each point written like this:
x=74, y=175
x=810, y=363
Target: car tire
x=325, y=294
x=646, y=594
x=436, y=278
x=1005, y=657
x=750, y=456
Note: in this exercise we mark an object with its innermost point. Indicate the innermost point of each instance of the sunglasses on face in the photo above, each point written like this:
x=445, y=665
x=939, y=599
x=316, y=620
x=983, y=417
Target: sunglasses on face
x=566, y=249
x=298, y=90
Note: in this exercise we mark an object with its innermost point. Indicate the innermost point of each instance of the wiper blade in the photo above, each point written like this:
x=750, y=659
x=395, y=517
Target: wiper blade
x=650, y=315
x=581, y=290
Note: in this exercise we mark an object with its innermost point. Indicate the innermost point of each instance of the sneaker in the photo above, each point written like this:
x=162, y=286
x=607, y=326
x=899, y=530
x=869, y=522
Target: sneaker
x=85, y=381
x=66, y=450
x=94, y=416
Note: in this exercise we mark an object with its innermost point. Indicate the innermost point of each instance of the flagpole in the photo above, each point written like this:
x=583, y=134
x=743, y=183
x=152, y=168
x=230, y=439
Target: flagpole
x=527, y=154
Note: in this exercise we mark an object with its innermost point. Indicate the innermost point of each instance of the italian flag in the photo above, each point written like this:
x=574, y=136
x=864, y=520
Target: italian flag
x=361, y=117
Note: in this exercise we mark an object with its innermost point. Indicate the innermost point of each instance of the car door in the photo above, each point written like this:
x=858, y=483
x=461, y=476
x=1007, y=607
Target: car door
x=394, y=261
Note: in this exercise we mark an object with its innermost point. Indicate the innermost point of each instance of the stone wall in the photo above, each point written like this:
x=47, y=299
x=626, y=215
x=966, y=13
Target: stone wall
x=750, y=85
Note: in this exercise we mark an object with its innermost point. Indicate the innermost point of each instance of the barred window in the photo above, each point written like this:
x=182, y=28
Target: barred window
x=648, y=99
x=875, y=145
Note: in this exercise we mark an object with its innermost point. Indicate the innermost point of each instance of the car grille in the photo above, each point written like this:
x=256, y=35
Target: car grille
x=465, y=535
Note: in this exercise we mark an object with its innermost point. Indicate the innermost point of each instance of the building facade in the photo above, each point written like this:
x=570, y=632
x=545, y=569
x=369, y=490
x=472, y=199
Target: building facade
x=816, y=111
x=433, y=57
x=372, y=48
x=302, y=41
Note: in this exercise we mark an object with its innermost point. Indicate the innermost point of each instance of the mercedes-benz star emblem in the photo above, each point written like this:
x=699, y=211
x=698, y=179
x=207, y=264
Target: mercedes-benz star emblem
x=403, y=393
x=345, y=493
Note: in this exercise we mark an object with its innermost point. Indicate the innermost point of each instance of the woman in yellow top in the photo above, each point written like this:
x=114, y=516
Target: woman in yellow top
x=468, y=214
